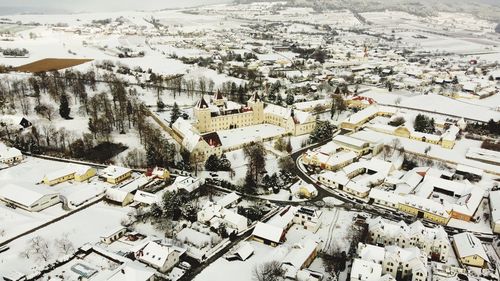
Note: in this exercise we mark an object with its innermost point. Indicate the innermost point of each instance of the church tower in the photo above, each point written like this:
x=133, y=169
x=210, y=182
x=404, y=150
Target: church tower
x=202, y=116
x=257, y=105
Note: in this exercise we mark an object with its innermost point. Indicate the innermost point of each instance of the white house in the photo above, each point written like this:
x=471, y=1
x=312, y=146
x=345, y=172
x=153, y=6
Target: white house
x=308, y=217
x=30, y=199
x=188, y=184
x=10, y=155
x=161, y=257
x=115, y=174
x=268, y=234
x=146, y=198
x=432, y=241
x=495, y=210
x=365, y=270
x=113, y=235
x=299, y=257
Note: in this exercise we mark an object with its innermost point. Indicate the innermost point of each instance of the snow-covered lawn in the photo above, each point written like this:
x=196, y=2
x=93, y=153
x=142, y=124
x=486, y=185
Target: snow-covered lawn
x=82, y=227
x=222, y=269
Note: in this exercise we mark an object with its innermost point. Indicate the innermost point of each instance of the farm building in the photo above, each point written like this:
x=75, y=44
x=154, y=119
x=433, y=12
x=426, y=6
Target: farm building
x=59, y=176
x=113, y=235
x=29, y=199
x=83, y=173
x=115, y=174
x=78, y=173
x=119, y=196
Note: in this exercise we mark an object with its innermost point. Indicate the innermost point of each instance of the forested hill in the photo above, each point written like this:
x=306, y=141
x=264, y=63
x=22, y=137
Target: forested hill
x=487, y=9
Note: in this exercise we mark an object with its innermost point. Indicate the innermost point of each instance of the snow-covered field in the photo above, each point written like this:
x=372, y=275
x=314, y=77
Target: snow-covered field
x=80, y=228
x=29, y=174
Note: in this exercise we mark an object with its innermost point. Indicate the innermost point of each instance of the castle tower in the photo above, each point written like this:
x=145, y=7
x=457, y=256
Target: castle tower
x=202, y=116
x=257, y=105
x=218, y=99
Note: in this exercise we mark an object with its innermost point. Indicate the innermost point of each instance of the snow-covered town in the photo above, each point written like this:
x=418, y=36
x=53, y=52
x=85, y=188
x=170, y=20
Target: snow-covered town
x=255, y=141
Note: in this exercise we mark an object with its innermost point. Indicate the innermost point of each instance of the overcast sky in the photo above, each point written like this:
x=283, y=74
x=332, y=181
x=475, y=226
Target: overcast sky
x=19, y=6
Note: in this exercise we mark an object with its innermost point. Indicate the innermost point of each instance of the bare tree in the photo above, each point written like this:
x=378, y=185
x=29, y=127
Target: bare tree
x=64, y=245
x=40, y=248
x=269, y=271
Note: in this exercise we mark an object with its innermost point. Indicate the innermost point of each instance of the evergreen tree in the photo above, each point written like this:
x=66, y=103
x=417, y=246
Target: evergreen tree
x=279, y=99
x=290, y=98
x=64, y=109
x=212, y=163
x=279, y=144
x=322, y=131
x=175, y=114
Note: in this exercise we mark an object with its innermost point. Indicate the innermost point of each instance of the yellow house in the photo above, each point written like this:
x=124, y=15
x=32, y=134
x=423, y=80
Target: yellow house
x=161, y=173
x=303, y=190
x=425, y=209
x=470, y=250
x=59, y=176
x=84, y=173
x=115, y=175
x=402, y=132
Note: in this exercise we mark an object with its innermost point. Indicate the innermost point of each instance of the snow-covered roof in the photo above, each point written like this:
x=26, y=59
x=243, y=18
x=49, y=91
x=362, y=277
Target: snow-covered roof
x=341, y=157
x=347, y=140
x=469, y=245
x=186, y=183
x=245, y=251
x=371, y=253
x=284, y=217
x=194, y=237
x=329, y=148
x=387, y=196
x=190, y=138
x=427, y=205
x=155, y=254
x=356, y=187
x=7, y=153
x=228, y=199
x=495, y=206
x=470, y=170
x=60, y=173
x=268, y=232
x=114, y=171
x=339, y=177
x=483, y=154
x=365, y=270
x=23, y=195
x=362, y=115
x=234, y=218
x=146, y=197
x=132, y=271
x=298, y=256
x=116, y=194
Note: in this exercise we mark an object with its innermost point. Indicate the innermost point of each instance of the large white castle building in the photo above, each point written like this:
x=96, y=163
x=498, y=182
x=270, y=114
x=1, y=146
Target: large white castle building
x=217, y=114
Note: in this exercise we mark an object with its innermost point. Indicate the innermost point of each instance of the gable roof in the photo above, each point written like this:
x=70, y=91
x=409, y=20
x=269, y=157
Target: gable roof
x=469, y=245
x=23, y=195
x=268, y=232
x=155, y=254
